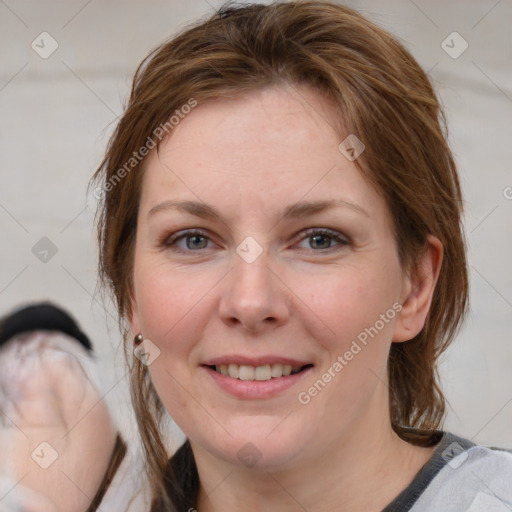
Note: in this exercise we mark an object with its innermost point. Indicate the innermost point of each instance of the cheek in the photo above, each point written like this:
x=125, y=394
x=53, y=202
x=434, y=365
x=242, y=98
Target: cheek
x=356, y=306
x=348, y=302
x=170, y=303
x=173, y=310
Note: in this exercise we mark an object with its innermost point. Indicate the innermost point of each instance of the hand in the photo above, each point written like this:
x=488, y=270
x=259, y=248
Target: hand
x=57, y=435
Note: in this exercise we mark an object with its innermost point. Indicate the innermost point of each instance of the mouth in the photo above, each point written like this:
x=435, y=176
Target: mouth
x=263, y=372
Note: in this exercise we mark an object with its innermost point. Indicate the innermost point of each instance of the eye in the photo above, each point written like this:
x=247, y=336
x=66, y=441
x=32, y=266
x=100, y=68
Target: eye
x=193, y=241
x=319, y=240
x=322, y=239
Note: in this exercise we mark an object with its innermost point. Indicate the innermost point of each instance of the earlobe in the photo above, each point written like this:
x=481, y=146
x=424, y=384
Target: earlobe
x=418, y=292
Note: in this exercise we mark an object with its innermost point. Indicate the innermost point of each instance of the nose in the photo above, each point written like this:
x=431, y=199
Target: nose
x=254, y=297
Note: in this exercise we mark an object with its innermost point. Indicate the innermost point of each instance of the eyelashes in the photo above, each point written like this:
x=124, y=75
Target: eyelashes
x=171, y=242
x=200, y=239
x=326, y=234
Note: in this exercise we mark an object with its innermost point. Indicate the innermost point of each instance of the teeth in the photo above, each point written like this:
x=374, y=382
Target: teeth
x=233, y=371
x=265, y=372
x=276, y=370
x=246, y=372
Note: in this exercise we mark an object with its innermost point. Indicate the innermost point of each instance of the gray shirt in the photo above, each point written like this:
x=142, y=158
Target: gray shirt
x=460, y=477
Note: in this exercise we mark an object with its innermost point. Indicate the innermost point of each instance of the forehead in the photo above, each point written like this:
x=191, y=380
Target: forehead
x=267, y=122
x=270, y=146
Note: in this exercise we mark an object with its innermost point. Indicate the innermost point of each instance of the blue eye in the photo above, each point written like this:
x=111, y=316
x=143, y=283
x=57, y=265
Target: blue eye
x=323, y=238
x=194, y=240
x=320, y=240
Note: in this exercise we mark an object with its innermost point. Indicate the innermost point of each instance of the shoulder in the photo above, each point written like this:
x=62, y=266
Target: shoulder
x=473, y=479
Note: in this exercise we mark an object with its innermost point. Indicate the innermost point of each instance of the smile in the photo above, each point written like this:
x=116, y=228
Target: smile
x=258, y=373
x=256, y=377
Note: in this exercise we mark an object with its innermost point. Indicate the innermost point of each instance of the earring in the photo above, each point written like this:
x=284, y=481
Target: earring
x=138, y=339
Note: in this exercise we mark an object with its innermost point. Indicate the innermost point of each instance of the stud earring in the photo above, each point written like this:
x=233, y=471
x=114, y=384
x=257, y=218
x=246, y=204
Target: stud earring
x=138, y=339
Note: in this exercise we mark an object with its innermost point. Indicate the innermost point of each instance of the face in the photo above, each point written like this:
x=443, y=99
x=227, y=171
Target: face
x=261, y=250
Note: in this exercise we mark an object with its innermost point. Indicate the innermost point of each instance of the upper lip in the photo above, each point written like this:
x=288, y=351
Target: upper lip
x=254, y=361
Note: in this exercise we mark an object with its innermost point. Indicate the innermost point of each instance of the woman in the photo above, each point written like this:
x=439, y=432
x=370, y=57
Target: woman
x=281, y=230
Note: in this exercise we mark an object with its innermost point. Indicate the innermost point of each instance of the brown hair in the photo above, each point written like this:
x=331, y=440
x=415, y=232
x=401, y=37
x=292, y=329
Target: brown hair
x=383, y=96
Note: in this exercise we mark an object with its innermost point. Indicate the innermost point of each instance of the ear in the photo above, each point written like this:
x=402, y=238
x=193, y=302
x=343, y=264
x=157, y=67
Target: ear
x=418, y=291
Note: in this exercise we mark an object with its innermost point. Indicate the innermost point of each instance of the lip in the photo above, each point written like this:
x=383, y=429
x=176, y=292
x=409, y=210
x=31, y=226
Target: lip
x=255, y=389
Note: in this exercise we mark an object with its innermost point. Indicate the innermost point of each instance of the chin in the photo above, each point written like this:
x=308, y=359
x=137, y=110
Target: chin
x=260, y=442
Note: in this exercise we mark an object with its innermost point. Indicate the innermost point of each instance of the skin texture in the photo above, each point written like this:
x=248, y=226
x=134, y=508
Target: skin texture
x=304, y=297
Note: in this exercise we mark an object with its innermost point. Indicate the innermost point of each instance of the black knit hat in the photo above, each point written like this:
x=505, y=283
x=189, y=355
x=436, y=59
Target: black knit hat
x=42, y=316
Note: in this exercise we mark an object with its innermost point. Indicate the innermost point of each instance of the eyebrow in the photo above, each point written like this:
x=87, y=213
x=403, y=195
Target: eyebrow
x=297, y=210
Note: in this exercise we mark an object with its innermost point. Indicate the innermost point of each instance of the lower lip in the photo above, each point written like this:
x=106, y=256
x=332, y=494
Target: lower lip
x=247, y=389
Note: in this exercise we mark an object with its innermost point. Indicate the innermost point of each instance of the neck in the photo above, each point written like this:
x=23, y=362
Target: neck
x=363, y=470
